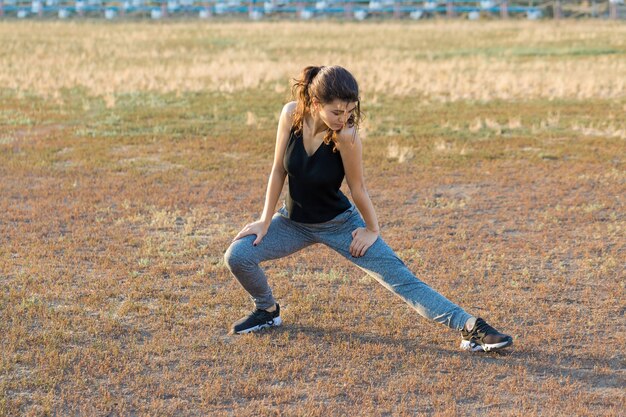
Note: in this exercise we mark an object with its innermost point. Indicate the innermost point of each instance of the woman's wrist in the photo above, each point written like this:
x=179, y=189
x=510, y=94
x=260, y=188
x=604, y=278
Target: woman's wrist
x=376, y=230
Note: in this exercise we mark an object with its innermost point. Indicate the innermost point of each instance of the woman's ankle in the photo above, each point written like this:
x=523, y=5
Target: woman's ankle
x=469, y=324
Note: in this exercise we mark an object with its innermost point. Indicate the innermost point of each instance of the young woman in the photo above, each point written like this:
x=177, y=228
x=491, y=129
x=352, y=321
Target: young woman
x=317, y=144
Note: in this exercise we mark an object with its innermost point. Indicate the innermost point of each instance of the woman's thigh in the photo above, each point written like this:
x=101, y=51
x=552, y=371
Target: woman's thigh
x=282, y=239
x=378, y=258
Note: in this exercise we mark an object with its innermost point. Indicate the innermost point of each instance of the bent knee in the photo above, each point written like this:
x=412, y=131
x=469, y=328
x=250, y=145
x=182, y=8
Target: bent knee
x=237, y=256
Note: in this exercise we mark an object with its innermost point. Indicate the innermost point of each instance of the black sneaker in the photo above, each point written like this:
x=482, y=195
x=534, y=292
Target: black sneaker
x=257, y=320
x=483, y=337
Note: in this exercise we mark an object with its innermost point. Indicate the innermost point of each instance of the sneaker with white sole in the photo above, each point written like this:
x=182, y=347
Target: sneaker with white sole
x=485, y=338
x=257, y=320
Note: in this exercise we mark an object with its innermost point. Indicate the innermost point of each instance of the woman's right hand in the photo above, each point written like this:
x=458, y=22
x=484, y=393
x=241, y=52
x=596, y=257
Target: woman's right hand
x=257, y=228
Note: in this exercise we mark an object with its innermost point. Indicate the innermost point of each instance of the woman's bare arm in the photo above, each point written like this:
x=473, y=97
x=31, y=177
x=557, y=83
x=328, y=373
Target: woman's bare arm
x=276, y=179
x=351, y=150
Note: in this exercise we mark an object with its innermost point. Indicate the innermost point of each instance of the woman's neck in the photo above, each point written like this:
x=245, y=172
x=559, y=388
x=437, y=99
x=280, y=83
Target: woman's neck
x=315, y=123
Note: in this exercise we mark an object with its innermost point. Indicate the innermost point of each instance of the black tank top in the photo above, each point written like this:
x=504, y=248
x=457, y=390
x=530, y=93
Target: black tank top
x=314, y=181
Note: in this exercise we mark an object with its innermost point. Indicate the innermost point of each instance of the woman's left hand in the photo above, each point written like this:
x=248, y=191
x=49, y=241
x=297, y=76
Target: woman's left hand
x=362, y=239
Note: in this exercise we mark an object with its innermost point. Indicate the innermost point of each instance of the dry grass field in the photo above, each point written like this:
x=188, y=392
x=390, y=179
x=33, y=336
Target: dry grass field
x=132, y=153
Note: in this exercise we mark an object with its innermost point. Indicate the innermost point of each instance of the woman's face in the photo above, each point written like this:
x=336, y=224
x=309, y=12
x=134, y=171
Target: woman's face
x=336, y=113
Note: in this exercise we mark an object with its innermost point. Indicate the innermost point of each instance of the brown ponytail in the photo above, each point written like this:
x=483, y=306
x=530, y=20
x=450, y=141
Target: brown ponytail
x=324, y=84
x=301, y=92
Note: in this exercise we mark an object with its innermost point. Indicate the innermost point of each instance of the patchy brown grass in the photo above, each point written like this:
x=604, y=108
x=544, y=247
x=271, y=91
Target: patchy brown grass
x=117, y=206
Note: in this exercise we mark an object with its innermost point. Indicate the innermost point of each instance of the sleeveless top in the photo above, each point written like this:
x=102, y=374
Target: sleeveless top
x=313, y=195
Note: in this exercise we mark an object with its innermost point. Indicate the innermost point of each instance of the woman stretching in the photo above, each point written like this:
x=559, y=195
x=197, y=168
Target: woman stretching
x=317, y=144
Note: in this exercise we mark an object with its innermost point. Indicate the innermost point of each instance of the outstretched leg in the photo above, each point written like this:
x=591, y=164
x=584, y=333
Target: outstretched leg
x=382, y=263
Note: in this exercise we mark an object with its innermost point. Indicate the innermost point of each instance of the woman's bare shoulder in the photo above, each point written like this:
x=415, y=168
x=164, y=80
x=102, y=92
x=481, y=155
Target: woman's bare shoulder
x=288, y=110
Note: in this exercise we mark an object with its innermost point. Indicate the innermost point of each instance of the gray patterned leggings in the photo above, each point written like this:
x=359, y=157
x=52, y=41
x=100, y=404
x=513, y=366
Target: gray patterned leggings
x=286, y=236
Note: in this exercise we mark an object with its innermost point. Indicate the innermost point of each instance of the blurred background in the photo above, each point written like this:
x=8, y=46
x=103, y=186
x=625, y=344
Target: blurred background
x=315, y=9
